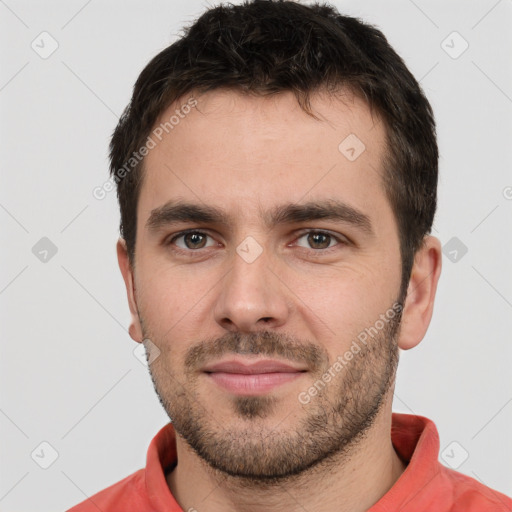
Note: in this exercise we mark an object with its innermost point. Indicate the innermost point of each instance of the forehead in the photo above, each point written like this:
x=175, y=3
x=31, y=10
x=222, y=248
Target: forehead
x=241, y=151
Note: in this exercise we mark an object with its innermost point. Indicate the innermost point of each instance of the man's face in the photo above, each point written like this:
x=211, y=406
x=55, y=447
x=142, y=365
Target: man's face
x=272, y=281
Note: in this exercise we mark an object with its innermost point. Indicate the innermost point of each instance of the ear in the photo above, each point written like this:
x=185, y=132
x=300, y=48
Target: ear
x=419, y=303
x=135, y=329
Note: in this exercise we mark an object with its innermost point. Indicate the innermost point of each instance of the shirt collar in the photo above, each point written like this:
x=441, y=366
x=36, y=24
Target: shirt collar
x=414, y=438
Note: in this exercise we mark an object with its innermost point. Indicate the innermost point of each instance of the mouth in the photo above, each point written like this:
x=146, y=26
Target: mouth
x=243, y=377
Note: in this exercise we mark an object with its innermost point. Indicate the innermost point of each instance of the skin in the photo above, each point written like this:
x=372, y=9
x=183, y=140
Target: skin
x=239, y=153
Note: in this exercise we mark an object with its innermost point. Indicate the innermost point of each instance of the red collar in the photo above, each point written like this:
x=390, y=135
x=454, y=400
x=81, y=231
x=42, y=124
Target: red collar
x=415, y=439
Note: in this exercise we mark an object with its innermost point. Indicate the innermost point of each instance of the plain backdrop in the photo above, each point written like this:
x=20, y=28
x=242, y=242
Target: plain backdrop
x=68, y=376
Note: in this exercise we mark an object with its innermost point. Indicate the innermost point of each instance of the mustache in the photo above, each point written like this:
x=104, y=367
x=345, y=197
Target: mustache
x=264, y=343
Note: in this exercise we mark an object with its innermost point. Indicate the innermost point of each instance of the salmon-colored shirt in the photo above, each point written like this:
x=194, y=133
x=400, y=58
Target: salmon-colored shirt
x=425, y=485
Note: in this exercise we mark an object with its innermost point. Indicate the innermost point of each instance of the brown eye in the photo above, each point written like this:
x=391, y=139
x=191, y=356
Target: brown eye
x=319, y=240
x=191, y=240
x=194, y=240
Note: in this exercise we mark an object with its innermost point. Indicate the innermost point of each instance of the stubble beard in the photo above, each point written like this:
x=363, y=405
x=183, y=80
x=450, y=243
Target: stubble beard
x=253, y=447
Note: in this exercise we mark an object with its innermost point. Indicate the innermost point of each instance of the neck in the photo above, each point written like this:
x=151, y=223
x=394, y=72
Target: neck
x=352, y=481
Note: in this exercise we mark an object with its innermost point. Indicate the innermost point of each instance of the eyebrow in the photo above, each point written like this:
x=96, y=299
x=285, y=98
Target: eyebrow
x=331, y=209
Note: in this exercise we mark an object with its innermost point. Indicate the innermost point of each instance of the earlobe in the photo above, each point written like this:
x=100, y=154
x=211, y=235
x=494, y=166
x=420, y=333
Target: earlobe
x=419, y=303
x=135, y=329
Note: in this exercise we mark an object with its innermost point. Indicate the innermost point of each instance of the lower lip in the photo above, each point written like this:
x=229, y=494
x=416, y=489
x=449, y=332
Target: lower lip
x=253, y=384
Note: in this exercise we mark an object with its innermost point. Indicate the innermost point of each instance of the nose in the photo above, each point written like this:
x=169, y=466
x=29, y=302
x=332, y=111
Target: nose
x=251, y=297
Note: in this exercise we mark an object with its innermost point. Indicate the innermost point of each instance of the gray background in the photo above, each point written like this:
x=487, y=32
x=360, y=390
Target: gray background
x=68, y=374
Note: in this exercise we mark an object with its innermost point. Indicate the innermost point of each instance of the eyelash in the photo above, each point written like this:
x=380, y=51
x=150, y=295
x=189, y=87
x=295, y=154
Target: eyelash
x=343, y=241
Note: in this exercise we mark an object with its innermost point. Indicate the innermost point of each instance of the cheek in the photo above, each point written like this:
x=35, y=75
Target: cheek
x=339, y=306
x=170, y=303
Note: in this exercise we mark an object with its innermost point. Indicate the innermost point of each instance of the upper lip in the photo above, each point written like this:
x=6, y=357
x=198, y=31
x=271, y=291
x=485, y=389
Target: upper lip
x=251, y=368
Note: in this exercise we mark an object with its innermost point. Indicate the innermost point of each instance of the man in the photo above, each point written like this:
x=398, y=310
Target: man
x=277, y=172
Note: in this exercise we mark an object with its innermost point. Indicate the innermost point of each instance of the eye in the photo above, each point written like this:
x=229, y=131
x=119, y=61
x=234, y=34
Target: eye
x=191, y=240
x=319, y=240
